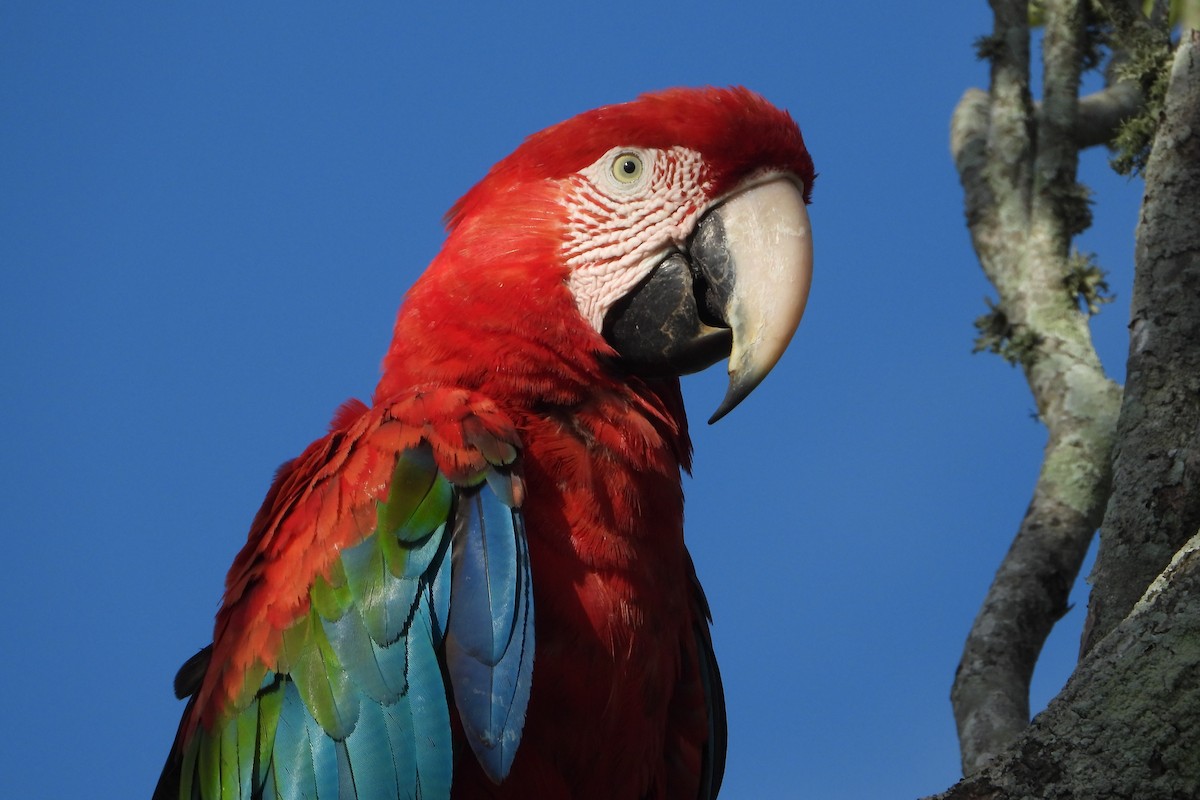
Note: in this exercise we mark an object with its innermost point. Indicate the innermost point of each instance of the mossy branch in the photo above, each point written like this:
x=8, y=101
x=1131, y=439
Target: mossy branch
x=1018, y=161
x=998, y=335
x=1086, y=282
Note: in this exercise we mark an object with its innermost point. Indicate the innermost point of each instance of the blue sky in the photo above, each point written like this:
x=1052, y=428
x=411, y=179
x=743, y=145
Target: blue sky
x=209, y=214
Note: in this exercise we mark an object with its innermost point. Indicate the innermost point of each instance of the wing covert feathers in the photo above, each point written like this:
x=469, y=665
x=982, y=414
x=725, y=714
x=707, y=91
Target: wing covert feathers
x=408, y=520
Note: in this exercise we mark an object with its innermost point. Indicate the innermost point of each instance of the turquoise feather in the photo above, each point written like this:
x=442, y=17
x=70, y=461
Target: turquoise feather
x=439, y=600
x=383, y=601
x=292, y=764
x=374, y=761
x=377, y=671
x=357, y=709
x=429, y=722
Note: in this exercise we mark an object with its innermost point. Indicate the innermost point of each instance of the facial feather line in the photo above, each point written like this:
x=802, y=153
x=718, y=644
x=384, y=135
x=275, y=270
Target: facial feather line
x=615, y=236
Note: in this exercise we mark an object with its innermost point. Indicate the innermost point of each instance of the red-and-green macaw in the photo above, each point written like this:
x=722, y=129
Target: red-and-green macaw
x=523, y=450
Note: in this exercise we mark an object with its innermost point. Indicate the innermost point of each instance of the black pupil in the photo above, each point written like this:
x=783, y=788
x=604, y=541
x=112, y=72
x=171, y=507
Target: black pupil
x=629, y=166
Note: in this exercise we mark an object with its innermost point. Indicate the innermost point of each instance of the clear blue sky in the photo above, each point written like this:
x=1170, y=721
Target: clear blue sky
x=209, y=213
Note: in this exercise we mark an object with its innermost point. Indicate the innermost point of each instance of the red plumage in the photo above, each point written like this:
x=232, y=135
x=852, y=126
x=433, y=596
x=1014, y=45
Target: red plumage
x=490, y=350
x=601, y=454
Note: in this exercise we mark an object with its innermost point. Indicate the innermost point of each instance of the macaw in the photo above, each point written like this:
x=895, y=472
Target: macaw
x=523, y=451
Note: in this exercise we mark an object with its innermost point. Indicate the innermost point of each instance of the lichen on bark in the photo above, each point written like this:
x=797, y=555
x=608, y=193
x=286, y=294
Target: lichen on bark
x=1127, y=724
x=1017, y=161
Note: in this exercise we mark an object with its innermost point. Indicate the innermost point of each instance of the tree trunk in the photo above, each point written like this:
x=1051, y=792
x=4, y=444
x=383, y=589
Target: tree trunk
x=1127, y=725
x=1155, y=506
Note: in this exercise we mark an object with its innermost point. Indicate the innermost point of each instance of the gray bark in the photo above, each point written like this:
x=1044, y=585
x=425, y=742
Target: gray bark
x=1127, y=725
x=1017, y=164
x=1156, y=502
x=1100, y=113
x=1121, y=729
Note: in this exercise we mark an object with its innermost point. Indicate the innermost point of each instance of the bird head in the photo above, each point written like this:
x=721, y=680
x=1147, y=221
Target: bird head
x=675, y=225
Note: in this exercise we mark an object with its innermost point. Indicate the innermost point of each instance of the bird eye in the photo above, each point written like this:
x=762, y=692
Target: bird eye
x=627, y=167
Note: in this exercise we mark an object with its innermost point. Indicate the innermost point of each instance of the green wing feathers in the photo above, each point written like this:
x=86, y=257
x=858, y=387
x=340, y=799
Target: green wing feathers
x=355, y=704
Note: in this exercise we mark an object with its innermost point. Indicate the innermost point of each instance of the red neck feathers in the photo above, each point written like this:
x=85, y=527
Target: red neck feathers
x=493, y=312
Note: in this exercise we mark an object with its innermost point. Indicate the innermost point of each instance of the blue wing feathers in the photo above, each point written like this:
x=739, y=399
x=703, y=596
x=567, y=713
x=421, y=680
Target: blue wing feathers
x=501, y=485
x=405, y=599
x=523, y=636
x=372, y=758
x=324, y=757
x=358, y=707
x=383, y=601
x=377, y=671
x=489, y=642
x=429, y=710
x=291, y=758
x=439, y=601
x=268, y=791
x=483, y=589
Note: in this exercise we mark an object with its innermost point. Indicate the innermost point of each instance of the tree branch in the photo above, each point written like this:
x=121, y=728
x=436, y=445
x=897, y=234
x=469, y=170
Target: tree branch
x=1157, y=469
x=1023, y=207
x=1128, y=722
x=1129, y=22
x=1101, y=113
x=1141, y=47
x=1010, y=132
x=1125, y=726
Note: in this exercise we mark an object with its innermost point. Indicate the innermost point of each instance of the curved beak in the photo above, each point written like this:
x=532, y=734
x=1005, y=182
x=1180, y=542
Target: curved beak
x=739, y=292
